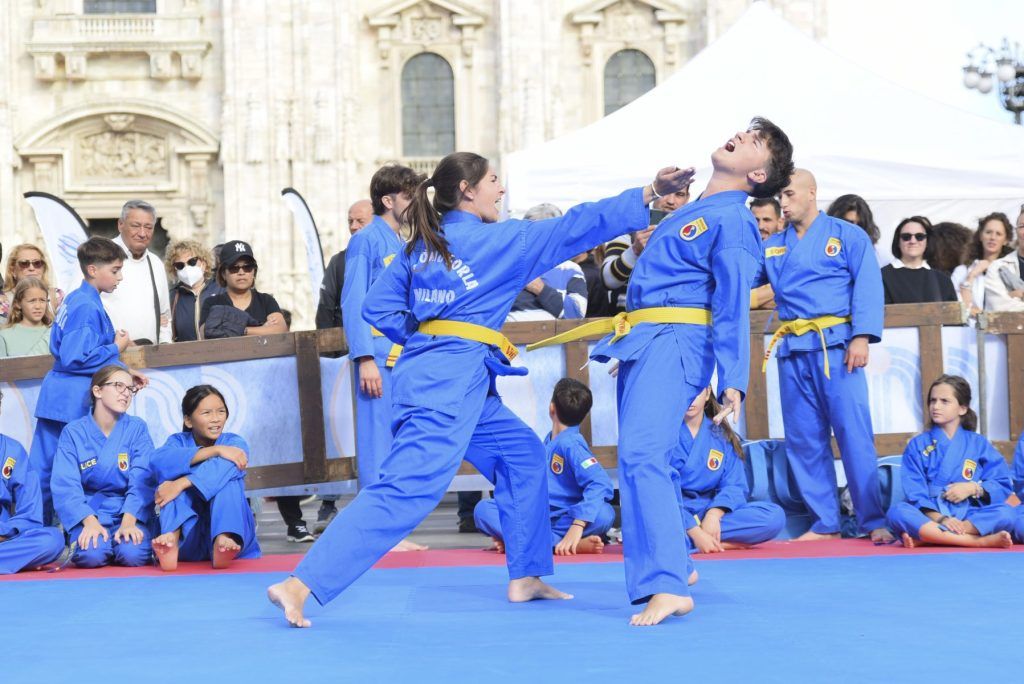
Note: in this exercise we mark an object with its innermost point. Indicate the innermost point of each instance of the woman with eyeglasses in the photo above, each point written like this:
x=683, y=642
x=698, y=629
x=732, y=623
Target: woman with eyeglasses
x=189, y=266
x=101, y=484
x=909, y=279
x=27, y=261
x=260, y=313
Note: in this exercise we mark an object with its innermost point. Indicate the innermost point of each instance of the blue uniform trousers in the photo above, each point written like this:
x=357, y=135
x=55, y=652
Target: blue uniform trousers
x=906, y=517
x=487, y=521
x=30, y=549
x=428, y=448
x=373, y=427
x=227, y=512
x=813, y=407
x=653, y=397
x=1018, y=524
x=44, y=447
x=752, y=523
x=109, y=552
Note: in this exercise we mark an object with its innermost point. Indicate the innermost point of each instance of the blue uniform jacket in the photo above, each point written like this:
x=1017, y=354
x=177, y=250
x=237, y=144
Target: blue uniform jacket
x=103, y=476
x=491, y=264
x=1018, y=469
x=710, y=472
x=577, y=484
x=82, y=342
x=21, y=504
x=704, y=255
x=174, y=460
x=832, y=271
x=369, y=252
x=932, y=461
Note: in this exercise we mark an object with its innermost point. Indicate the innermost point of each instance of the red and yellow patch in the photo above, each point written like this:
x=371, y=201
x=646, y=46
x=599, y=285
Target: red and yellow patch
x=589, y=462
x=693, y=229
x=833, y=247
x=8, y=469
x=715, y=459
x=557, y=464
x=970, y=467
x=122, y=462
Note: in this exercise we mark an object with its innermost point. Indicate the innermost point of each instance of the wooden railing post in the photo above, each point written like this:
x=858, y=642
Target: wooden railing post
x=311, y=407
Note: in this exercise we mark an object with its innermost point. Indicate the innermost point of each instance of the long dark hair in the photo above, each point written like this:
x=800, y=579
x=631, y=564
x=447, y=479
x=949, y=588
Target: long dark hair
x=977, y=250
x=711, y=409
x=962, y=392
x=950, y=242
x=424, y=215
x=865, y=219
x=194, y=396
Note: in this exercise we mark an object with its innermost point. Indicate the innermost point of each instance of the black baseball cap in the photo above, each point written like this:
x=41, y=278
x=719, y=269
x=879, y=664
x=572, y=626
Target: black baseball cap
x=232, y=251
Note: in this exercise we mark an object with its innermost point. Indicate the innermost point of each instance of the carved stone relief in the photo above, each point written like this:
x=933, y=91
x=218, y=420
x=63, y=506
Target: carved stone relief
x=122, y=154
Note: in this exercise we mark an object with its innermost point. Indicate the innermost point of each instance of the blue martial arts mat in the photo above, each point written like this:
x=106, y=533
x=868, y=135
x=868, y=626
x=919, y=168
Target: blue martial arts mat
x=914, y=618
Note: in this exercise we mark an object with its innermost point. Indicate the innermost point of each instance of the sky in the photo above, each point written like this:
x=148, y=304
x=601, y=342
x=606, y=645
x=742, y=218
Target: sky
x=922, y=44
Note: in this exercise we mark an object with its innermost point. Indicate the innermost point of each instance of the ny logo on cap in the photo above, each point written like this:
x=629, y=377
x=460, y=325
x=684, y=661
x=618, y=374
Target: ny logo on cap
x=239, y=247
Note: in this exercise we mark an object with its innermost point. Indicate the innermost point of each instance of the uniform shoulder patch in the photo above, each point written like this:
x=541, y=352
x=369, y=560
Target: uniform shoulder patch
x=774, y=252
x=833, y=247
x=122, y=462
x=589, y=462
x=970, y=467
x=693, y=229
x=715, y=459
x=929, y=449
x=557, y=464
x=388, y=259
x=8, y=468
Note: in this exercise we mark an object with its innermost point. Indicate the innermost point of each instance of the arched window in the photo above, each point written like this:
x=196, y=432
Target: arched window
x=119, y=6
x=627, y=75
x=428, y=107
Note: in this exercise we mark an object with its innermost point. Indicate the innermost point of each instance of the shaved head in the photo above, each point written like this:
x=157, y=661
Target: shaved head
x=799, y=199
x=804, y=179
x=359, y=214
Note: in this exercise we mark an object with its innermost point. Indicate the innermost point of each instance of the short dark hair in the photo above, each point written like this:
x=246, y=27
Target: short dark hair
x=929, y=248
x=98, y=250
x=195, y=395
x=389, y=180
x=976, y=250
x=767, y=202
x=780, y=162
x=951, y=241
x=844, y=204
x=572, y=400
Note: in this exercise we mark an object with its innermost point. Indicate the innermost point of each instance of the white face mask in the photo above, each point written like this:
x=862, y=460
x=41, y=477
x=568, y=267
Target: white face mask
x=190, y=275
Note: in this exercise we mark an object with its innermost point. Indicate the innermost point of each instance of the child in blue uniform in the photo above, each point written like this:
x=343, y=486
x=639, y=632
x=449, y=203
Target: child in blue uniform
x=828, y=291
x=373, y=356
x=444, y=298
x=954, y=481
x=579, y=491
x=716, y=513
x=101, y=480
x=24, y=542
x=200, y=473
x=82, y=341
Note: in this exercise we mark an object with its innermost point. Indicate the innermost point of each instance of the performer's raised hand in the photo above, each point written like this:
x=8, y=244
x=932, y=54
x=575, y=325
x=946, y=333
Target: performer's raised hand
x=672, y=179
x=731, y=402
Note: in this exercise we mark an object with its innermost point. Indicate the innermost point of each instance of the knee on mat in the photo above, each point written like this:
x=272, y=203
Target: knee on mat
x=93, y=558
x=133, y=555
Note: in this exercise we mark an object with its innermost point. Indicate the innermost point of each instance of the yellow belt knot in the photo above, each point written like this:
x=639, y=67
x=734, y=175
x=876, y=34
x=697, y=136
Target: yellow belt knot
x=801, y=326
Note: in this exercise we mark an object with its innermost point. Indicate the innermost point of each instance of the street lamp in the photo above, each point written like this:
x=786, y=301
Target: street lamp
x=985, y=66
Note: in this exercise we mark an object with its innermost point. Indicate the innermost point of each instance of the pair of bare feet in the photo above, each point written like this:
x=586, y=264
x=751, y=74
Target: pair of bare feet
x=406, y=545
x=879, y=535
x=591, y=544
x=998, y=540
x=166, y=546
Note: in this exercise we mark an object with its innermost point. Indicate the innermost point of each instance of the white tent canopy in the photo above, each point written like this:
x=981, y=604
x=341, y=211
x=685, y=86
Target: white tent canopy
x=857, y=132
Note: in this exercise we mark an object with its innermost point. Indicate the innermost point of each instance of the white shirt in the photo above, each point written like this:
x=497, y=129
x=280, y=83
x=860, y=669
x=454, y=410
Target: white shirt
x=977, y=285
x=130, y=306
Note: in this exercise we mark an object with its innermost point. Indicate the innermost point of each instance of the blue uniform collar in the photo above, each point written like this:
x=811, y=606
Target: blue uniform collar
x=939, y=435
x=686, y=439
x=90, y=291
x=564, y=434
x=458, y=216
x=790, y=233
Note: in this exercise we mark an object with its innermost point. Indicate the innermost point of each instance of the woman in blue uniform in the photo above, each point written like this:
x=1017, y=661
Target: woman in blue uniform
x=955, y=483
x=101, y=480
x=204, y=514
x=716, y=513
x=444, y=298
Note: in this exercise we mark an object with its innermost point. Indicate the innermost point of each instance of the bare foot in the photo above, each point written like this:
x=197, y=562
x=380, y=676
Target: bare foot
x=692, y=579
x=908, y=541
x=660, y=607
x=290, y=596
x=166, y=549
x=999, y=540
x=531, y=588
x=498, y=546
x=591, y=544
x=225, y=548
x=406, y=545
x=814, y=536
x=736, y=546
x=881, y=535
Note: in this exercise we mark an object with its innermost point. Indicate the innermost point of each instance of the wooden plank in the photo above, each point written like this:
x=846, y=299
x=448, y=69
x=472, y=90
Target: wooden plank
x=217, y=351
x=288, y=474
x=25, y=367
x=332, y=340
x=1015, y=382
x=576, y=358
x=755, y=405
x=311, y=407
x=524, y=332
x=1006, y=448
x=1004, y=323
x=915, y=315
x=930, y=345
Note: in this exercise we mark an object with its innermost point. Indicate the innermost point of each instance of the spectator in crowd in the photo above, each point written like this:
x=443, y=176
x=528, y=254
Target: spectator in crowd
x=768, y=213
x=949, y=244
x=189, y=266
x=240, y=309
x=599, y=299
x=141, y=305
x=27, y=261
x=989, y=242
x=328, y=310
x=27, y=333
x=1004, y=287
x=853, y=209
x=909, y=279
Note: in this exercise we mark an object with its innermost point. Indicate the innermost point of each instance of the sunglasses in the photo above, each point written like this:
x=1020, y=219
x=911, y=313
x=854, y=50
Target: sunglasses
x=121, y=388
x=178, y=265
x=243, y=268
x=907, y=237
x=34, y=263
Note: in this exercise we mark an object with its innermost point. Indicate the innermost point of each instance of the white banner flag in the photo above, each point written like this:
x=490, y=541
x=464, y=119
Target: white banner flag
x=63, y=231
x=311, y=236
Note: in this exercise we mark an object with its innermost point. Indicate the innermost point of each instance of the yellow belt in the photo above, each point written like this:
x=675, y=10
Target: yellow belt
x=801, y=326
x=393, y=353
x=472, y=332
x=622, y=323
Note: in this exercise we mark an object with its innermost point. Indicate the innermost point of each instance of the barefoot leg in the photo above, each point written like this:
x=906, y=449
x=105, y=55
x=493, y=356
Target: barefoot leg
x=406, y=545
x=290, y=596
x=166, y=549
x=909, y=542
x=225, y=548
x=531, y=588
x=814, y=536
x=736, y=546
x=591, y=544
x=692, y=579
x=498, y=545
x=881, y=535
x=660, y=607
x=998, y=540
x=933, y=534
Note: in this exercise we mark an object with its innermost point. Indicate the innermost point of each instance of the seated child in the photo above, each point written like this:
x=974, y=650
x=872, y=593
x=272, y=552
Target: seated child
x=24, y=542
x=1018, y=489
x=715, y=509
x=954, y=481
x=201, y=470
x=101, y=480
x=578, y=488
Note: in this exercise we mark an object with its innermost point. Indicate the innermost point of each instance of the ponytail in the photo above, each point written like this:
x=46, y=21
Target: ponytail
x=425, y=224
x=962, y=392
x=711, y=409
